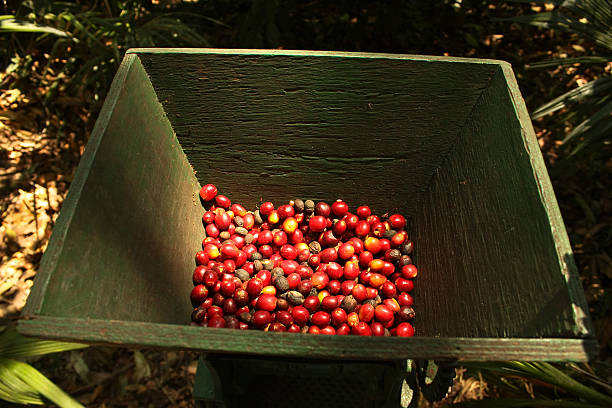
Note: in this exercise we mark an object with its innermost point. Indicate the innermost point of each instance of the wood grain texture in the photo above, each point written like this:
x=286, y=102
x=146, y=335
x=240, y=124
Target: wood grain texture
x=304, y=345
x=60, y=230
x=567, y=265
x=132, y=237
x=484, y=239
x=279, y=127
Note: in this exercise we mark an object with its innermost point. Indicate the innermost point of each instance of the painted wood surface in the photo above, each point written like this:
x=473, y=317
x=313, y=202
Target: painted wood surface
x=60, y=230
x=253, y=342
x=278, y=127
x=446, y=141
x=485, y=238
x=565, y=258
x=130, y=242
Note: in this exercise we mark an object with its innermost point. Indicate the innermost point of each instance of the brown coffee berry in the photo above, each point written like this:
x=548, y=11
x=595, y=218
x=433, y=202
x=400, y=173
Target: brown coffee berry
x=298, y=205
x=238, y=221
x=295, y=298
x=309, y=206
x=281, y=284
x=314, y=247
x=349, y=303
x=242, y=275
x=257, y=216
x=242, y=231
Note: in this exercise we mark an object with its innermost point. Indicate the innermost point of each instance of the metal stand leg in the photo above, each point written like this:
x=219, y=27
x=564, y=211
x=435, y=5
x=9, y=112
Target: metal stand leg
x=433, y=378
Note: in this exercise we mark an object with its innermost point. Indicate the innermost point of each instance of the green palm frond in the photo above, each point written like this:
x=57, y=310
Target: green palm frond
x=597, y=127
x=21, y=383
x=13, y=389
x=594, y=19
x=544, y=373
x=14, y=345
x=591, y=20
x=10, y=24
x=586, y=60
x=599, y=87
x=524, y=403
x=93, y=29
x=24, y=384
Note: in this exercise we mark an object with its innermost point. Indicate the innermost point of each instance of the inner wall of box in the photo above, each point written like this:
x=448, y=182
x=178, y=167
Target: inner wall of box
x=438, y=142
x=486, y=238
x=280, y=127
x=129, y=250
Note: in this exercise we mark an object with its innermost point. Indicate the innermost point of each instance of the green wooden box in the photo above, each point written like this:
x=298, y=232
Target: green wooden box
x=446, y=141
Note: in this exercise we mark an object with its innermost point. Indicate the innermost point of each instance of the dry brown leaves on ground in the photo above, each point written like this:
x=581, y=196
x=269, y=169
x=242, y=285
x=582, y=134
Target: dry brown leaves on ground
x=465, y=388
x=102, y=377
x=34, y=180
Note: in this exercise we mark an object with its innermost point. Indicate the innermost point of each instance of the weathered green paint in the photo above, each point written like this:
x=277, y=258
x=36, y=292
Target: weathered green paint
x=253, y=342
x=446, y=141
x=130, y=241
x=280, y=127
x=565, y=257
x=490, y=244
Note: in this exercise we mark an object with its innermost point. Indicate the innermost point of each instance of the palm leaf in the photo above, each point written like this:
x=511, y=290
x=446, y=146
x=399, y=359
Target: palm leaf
x=179, y=14
x=592, y=377
x=587, y=59
x=598, y=15
x=75, y=21
x=14, y=345
x=604, y=114
x=9, y=24
x=169, y=30
x=23, y=375
x=597, y=27
x=524, y=402
x=13, y=389
x=549, y=374
x=601, y=86
x=546, y=19
x=555, y=2
x=597, y=130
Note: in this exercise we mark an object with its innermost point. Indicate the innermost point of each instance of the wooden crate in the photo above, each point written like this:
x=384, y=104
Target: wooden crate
x=447, y=141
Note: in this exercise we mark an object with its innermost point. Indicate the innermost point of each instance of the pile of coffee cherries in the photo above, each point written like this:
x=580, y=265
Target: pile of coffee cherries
x=303, y=267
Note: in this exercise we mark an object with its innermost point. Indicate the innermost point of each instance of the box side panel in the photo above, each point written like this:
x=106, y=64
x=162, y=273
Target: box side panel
x=547, y=194
x=56, y=242
x=254, y=342
x=128, y=253
x=278, y=127
x=487, y=256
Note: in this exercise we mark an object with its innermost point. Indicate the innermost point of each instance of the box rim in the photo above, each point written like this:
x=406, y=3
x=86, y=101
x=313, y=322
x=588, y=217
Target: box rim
x=315, y=53
x=184, y=337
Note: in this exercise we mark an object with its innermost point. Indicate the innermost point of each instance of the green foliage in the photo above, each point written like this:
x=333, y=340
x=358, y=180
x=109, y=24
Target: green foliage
x=568, y=386
x=95, y=37
x=9, y=23
x=598, y=88
x=591, y=19
x=591, y=102
x=21, y=383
